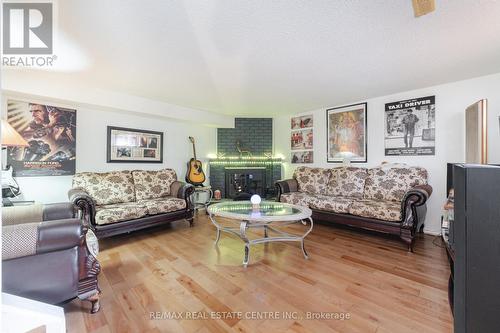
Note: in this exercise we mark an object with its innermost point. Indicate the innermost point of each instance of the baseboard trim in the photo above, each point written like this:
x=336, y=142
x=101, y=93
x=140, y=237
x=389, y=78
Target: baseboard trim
x=432, y=232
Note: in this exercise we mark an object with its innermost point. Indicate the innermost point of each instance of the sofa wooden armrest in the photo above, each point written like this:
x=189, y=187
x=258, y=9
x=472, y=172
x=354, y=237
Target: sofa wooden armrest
x=413, y=198
x=184, y=191
x=286, y=186
x=85, y=203
x=418, y=195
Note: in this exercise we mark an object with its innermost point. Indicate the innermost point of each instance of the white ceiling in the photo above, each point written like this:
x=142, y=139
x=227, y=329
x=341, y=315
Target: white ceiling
x=265, y=57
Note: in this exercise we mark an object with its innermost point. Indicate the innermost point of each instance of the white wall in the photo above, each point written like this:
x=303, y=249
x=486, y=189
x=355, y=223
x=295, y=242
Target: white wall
x=56, y=88
x=91, y=147
x=451, y=101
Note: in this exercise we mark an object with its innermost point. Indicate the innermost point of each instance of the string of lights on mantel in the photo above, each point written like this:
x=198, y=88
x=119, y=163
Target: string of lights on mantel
x=246, y=160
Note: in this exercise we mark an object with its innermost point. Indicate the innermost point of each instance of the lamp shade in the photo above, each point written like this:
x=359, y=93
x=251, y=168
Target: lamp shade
x=10, y=137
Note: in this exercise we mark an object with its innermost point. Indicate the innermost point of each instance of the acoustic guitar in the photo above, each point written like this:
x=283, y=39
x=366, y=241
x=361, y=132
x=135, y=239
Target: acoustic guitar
x=195, y=174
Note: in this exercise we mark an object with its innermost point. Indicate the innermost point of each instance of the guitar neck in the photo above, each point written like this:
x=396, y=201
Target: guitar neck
x=194, y=151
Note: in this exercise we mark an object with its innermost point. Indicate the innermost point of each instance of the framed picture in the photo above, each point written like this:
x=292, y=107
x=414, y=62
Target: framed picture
x=302, y=122
x=410, y=128
x=50, y=132
x=302, y=157
x=346, y=133
x=302, y=140
x=127, y=145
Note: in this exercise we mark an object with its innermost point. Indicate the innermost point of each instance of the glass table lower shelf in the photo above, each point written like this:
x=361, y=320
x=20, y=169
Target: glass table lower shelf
x=268, y=216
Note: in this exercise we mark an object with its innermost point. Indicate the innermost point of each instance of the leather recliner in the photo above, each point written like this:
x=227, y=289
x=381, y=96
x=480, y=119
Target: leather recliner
x=45, y=256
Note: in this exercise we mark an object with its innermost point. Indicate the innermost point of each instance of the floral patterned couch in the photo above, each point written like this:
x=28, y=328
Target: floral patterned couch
x=390, y=198
x=122, y=201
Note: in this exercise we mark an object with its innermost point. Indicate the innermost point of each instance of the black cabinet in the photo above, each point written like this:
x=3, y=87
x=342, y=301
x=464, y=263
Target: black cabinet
x=476, y=247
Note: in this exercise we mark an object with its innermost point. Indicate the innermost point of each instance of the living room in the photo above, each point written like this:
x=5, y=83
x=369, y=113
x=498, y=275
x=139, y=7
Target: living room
x=250, y=166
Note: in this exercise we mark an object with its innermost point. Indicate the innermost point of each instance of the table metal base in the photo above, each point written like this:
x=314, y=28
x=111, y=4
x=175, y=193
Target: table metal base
x=267, y=226
x=202, y=204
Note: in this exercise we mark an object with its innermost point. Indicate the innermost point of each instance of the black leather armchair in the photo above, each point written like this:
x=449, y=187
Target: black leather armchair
x=45, y=256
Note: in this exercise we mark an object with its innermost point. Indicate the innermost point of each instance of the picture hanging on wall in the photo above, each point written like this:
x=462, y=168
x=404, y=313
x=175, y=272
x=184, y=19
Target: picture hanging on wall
x=302, y=139
x=302, y=122
x=410, y=127
x=50, y=132
x=346, y=134
x=302, y=157
x=127, y=145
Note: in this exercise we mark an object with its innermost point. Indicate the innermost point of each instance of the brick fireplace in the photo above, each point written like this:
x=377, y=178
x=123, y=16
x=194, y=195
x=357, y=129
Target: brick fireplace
x=255, y=169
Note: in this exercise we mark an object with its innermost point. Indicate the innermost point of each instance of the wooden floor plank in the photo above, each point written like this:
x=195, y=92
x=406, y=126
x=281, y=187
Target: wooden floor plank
x=154, y=273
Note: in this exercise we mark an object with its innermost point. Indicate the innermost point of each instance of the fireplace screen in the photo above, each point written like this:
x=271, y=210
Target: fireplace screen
x=245, y=181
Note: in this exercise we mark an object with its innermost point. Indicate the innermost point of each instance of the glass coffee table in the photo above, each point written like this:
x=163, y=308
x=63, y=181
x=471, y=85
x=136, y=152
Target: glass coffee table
x=267, y=216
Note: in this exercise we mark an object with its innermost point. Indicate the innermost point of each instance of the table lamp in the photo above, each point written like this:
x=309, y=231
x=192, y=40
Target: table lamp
x=10, y=138
x=346, y=157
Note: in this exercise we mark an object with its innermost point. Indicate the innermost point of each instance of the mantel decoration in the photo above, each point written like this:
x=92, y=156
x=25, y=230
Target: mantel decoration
x=346, y=138
x=127, y=145
x=302, y=139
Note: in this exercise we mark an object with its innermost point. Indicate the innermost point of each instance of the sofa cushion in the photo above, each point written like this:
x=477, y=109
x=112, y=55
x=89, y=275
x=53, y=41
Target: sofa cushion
x=347, y=182
x=312, y=180
x=108, y=187
x=331, y=204
x=153, y=184
x=163, y=205
x=119, y=212
x=391, y=183
x=297, y=198
x=377, y=209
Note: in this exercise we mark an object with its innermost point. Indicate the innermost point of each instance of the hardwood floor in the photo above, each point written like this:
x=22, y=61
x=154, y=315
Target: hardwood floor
x=147, y=276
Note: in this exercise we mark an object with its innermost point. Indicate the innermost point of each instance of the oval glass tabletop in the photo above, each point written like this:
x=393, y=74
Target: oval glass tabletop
x=267, y=211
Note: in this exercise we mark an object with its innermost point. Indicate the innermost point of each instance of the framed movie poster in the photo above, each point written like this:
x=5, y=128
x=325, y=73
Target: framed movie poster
x=302, y=139
x=127, y=145
x=51, y=134
x=346, y=133
x=410, y=128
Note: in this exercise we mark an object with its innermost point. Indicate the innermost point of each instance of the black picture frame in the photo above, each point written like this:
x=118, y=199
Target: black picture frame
x=135, y=150
x=347, y=108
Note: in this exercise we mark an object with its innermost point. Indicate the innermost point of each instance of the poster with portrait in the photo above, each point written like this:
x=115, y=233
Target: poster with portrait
x=410, y=127
x=50, y=132
x=128, y=145
x=346, y=134
x=302, y=139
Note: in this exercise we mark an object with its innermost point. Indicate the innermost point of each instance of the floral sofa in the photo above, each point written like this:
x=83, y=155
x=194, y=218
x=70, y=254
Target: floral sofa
x=388, y=198
x=122, y=201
